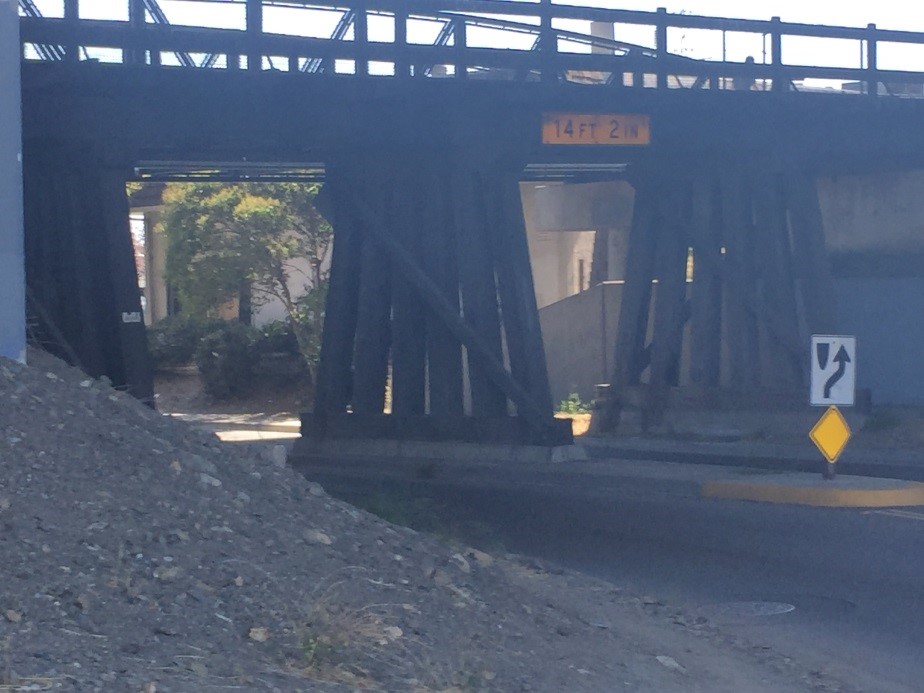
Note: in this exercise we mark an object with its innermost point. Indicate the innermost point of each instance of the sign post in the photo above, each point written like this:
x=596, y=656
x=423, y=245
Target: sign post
x=833, y=384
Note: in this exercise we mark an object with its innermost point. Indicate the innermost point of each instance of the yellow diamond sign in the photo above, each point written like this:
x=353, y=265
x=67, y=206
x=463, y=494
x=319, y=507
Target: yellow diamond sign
x=831, y=434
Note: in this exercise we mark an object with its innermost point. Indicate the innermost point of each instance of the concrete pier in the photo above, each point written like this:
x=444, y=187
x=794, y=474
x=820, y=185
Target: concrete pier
x=12, y=269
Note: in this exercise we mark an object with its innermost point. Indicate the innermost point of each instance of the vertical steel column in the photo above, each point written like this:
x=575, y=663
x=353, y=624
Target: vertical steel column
x=670, y=298
x=408, y=336
x=254, y=34
x=706, y=338
x=526, y=350
x=548, y=42
x=475, y=259
x=131, y=349
x=335, y=376
x=661, y=47
x=872, y=69
x=741, y=330
x=438, y=241
x=460, y=37
x=402, y=67
x=373, y=318
x=71, y=15
x=812, y=263
x=12, y=268
x=636, y=296
x=776, y=55
x=136, y=18
x=361, y=38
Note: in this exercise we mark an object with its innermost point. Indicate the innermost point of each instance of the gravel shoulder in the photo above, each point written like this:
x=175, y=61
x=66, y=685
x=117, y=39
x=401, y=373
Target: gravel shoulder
x=140, y=554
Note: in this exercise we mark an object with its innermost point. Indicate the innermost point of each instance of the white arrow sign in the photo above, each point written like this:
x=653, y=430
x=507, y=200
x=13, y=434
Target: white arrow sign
x=834, y=370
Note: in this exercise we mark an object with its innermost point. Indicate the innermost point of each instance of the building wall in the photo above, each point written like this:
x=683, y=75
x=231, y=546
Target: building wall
x=299, y=272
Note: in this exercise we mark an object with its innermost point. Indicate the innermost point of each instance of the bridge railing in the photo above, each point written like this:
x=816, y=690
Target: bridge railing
x=534, y=40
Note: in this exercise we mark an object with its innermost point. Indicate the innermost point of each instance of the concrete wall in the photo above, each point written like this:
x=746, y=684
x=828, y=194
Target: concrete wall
x=155, y=260
x=557, y=259
x=579, y=334
x=580, y=339
x=12, y=267
x=874, y=229
x=561, y=227
x=879, y=212
x=887, y=317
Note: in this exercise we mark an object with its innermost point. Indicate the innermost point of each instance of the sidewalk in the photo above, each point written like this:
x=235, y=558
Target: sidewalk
x=892, y=463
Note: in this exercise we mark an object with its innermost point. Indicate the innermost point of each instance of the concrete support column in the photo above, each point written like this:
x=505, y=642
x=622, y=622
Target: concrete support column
x=12, y=268
x=155, y=260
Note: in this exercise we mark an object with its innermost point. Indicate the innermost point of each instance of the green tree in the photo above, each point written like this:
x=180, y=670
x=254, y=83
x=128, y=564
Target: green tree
x=222, y=237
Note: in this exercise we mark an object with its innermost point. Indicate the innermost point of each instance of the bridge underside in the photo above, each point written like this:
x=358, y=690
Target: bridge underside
x=431, y=280
x=728, y=265
x=431, y=274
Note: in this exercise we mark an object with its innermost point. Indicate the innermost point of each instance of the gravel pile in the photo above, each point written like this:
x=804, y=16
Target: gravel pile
x=139, y=554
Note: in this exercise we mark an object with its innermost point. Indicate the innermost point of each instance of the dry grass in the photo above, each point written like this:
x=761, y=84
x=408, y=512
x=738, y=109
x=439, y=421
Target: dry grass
x=333, y=634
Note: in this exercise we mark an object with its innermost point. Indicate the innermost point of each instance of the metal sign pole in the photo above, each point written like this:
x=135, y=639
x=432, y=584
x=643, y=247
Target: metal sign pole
x=12, y=268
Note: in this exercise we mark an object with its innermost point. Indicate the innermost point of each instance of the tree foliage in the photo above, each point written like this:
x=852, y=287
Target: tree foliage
x=223, y=237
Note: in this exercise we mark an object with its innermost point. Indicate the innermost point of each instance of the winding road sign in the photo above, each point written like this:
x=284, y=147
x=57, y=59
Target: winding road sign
x=834, y=370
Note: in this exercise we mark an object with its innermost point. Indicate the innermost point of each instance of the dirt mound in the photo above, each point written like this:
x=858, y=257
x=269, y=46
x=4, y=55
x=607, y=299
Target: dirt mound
x=139, y=554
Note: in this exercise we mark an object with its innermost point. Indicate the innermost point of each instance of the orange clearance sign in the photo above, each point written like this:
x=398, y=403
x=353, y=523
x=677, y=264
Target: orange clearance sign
x=596, y=128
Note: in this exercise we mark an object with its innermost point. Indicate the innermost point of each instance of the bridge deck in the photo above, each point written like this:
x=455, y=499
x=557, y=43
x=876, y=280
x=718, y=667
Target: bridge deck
x=475, y=38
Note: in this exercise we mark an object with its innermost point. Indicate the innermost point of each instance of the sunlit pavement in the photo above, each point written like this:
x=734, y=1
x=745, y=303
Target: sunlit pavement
x=244, y=428
x=253, y=435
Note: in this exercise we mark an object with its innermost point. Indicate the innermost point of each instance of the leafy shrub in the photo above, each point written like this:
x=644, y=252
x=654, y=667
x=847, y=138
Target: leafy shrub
x=225, y=358
x=173, y=341
x=278, y=338
x=308, y=323
x=573, y=405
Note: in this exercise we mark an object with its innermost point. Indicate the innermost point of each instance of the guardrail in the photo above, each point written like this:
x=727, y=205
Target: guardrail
x=555, y=52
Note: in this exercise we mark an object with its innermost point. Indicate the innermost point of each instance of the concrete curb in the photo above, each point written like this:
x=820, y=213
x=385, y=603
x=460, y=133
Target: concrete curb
x=803, y=489
x=446, y=451
x=851, y=463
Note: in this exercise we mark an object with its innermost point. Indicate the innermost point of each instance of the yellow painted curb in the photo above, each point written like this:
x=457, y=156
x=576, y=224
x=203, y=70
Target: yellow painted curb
x=901, y=494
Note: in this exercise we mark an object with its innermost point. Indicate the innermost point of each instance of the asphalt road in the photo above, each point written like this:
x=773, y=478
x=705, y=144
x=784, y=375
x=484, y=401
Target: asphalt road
x=854, y=577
